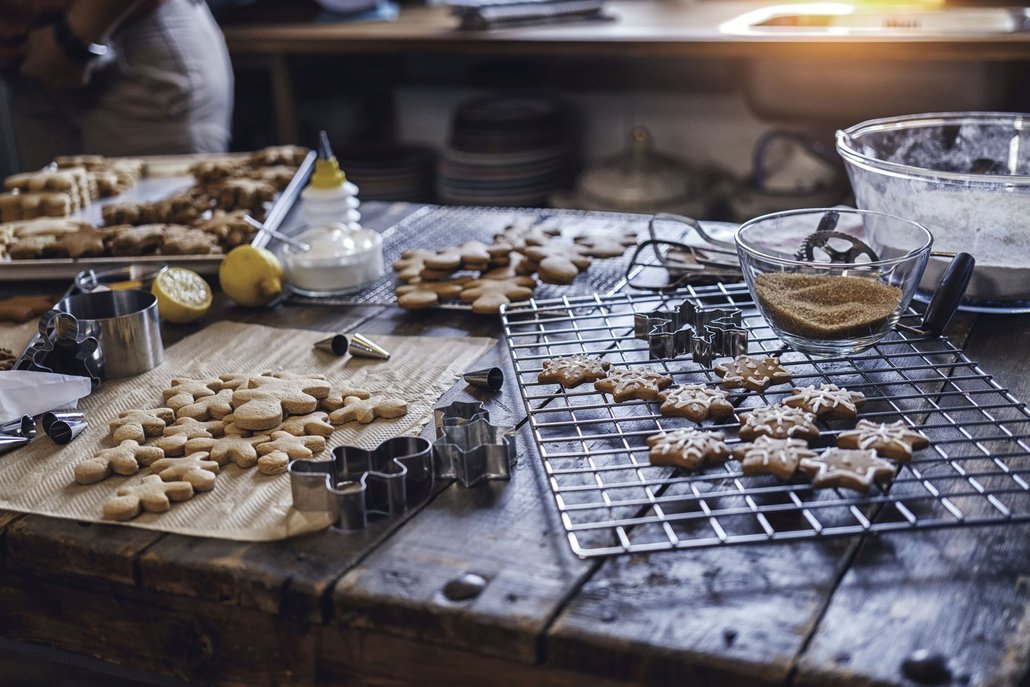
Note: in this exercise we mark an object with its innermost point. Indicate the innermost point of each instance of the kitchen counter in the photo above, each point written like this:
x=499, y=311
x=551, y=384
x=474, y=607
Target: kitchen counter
x=368, y=608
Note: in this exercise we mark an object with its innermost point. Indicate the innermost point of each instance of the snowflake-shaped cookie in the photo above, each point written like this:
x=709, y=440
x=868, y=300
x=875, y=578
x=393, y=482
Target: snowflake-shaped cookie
x=767, y=456
x=894, y=440
x=687, y=448
x=757, y=374
x=847, y=469
x=695, y=402
x=778, y=422
x=624, y=384
x=571, y=371
x=829, y=400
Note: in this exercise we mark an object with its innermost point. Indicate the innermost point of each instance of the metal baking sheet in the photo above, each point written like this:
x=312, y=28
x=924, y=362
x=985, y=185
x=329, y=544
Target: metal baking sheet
x=156, y=186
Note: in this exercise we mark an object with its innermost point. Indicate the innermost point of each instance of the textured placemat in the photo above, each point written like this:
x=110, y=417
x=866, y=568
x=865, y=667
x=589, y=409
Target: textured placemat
x=244, y=505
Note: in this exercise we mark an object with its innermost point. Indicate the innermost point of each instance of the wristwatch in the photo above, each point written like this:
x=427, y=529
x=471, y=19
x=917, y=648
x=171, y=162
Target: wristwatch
x=74, y=47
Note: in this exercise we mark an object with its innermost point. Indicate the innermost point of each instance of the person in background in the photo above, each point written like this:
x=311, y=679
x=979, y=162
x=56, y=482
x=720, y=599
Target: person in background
x=115, y=77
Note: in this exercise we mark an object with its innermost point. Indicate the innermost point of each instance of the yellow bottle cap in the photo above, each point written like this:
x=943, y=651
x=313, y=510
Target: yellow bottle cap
x=327, y=174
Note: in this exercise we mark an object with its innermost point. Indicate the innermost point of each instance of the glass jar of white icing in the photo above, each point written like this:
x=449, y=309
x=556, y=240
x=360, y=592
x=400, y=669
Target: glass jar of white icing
x=338, y=260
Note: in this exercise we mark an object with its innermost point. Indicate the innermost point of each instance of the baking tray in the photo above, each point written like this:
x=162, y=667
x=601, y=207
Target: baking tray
x=165, y=176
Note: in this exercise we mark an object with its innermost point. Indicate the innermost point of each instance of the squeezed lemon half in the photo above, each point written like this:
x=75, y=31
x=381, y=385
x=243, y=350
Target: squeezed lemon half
x=182, y=295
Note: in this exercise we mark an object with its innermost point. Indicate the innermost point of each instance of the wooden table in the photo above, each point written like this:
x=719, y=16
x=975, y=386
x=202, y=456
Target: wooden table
x=368, y=608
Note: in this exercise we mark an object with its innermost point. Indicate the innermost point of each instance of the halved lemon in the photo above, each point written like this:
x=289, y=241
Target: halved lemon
x=182, y=295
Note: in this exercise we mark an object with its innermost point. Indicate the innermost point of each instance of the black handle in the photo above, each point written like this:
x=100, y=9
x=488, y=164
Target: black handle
x=948, y=294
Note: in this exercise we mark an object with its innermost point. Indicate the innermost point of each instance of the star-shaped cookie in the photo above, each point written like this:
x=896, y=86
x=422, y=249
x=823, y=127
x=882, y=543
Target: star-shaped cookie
x=894, y=440
x=641, y=383
x=777, y=457
x=687, y=448
x=757, y=374
x=778, y=422
x=847, y=469
x=571, y=371
x=695, y=402
x=828, y=400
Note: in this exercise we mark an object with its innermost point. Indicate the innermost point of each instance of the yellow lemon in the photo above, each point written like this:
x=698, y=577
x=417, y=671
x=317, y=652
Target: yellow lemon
x=251, y=276
x=182, y=295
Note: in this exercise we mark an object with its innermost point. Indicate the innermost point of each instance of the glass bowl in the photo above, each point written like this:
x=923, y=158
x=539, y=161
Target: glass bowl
x=832, y=281
x=965, y=176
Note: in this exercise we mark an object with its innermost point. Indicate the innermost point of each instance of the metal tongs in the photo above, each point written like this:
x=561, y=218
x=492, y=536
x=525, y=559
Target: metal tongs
x=660, y=264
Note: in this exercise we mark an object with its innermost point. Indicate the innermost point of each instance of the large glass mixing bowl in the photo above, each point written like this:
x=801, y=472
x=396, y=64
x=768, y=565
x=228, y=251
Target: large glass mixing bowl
x=966, y=177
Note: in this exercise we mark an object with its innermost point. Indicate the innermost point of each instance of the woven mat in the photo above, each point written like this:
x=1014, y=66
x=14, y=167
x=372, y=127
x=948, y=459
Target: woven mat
x=244, y=505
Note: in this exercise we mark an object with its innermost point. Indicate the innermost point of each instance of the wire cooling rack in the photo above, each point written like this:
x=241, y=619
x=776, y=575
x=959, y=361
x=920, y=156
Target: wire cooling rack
x=439, y=226
x=611, y=501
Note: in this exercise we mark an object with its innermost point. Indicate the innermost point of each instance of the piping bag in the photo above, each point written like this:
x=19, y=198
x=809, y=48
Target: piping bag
x=24, y=392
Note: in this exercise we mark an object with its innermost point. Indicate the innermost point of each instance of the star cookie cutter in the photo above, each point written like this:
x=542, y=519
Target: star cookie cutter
x=471, y=452
x=458, y=413
x=703, y=333
x=357, y=483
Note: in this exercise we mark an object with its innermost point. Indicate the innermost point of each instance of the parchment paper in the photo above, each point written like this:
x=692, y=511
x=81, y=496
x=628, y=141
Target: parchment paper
x=244, y=505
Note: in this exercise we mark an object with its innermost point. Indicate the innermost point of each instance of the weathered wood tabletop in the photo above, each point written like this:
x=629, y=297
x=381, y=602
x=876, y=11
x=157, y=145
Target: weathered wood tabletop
x=368, y=608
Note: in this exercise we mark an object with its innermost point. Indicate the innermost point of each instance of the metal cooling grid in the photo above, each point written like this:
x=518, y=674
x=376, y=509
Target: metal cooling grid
x=439, y=226
x=611, y=501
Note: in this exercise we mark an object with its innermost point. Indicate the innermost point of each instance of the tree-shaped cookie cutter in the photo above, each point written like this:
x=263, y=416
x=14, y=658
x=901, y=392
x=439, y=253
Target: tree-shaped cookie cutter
x=358, y=483
x=691, y=329
x=471, y=452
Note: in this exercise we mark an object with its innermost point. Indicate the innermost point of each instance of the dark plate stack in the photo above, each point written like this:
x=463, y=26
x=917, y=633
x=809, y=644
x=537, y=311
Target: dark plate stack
x=507, y=151
x=391, y=173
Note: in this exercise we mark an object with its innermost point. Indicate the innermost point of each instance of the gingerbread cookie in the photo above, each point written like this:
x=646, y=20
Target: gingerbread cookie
x=173, y=441
x=279, y=176
x=605, y=245
x=556, y=262
x=229, y=228
x=696, y=402
x=687, y=448
x=366, y=410
x=240, y=450
x=298, y=395
x=312, y=424
x=296, y=447
x=894, y=440
x=778, y=422
x=571, y=371
x=274, y=463
x=334, y=401
x=24, y=308
x=153, y=495
x=183, y=392
x=255, y=412
x=828, y=400
x=847, y=469
x=213, y=171
x=768, y=456
x=124, y=459
x=195, y=469
x=186, y=241
x=429, y=293
x=31, y=248
x=488, y=295
x=411, y=263
x=144, y=239
x=757, y=374
x=279, y=155
x=213, y=407
x=139, y=424
x=84, y=243
x=641, y=383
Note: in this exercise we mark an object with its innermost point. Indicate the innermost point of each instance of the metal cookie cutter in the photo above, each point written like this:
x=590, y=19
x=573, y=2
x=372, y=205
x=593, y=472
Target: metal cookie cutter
x=471, y=452
x=357, y=483
x=702, y=333
x=458, y=413
x=64, y=345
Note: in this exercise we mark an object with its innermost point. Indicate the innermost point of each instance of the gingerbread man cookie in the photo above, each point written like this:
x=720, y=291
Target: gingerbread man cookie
x=411, y=263
x=556, y=262
x=605, y=245
x=752, y=373
x=153, y=495
x=366, y=410
x=240, y=450
x=696, y=402
x=847, y=469
x=572, y=370
x=183, y=392
x=274, y=463
x=428, y=294
x=312, y=424
x=139, y=424
x=625, y=384
x=687, y=448
x=173, y=443
x=334, y=401
x=124, y=459
x=488, y=295
x=777, y=457
x=213, y=407
x=894, y=440
x=828, y=400
x=296, y=447
x=778, y=422
x=195, y=469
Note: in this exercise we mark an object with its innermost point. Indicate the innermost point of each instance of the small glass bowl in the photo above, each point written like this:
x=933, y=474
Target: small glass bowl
x=822, y=292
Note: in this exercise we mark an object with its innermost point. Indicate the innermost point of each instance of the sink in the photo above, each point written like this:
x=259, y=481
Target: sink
x=848, y=19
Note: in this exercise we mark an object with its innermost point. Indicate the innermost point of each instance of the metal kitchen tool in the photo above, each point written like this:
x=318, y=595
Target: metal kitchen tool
x=336, y=345
x=703, y=333
x=9, y=442
x=64, y=431
x=491, y=378
x=357, y=483
x=358, y=345
x=25, y=426
x=471, y=452
x=64, y=345
x=49, y=418
x=685, y=261
x=458, y=413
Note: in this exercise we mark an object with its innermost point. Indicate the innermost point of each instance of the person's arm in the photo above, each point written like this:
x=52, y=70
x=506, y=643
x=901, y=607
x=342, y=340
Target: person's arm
x=91, y=21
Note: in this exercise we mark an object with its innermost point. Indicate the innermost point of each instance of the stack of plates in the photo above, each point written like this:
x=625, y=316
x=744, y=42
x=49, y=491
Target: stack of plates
x=391, y=173
x=507, y=150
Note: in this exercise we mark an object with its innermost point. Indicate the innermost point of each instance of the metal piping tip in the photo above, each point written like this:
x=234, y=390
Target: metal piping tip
x=49, y=418
x=9, y=442
x=25, y=426
x=64, y=431
x=336, y=345
x=490, y=378
x=363, y=347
